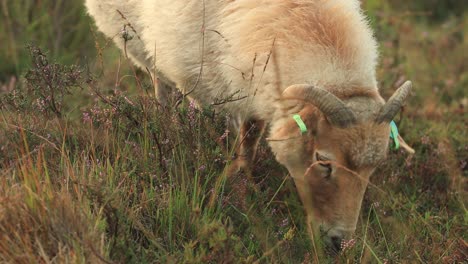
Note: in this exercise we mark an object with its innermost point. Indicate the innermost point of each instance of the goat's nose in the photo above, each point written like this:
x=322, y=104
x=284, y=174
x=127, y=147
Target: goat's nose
x=334, y=239
x=336, y=243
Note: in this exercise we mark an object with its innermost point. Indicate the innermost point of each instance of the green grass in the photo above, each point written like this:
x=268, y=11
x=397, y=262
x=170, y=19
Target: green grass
x=104, y=174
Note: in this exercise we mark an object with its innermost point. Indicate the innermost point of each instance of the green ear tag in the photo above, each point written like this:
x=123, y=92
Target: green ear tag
x=394, y=134
x=300, y=123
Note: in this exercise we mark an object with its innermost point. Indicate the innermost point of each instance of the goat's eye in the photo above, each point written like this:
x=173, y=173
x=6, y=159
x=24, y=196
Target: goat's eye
x=319, y=157
x=326, y=166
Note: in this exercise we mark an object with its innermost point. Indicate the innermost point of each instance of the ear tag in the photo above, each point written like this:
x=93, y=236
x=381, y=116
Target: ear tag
x=394, y=134
x=300, y=123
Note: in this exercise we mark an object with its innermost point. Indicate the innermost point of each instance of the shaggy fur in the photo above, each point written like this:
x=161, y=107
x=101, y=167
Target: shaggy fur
x=321, y=42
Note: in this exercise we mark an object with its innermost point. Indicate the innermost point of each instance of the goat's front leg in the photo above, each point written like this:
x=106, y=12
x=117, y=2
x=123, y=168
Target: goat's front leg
x=239, y=173
x=249, y=137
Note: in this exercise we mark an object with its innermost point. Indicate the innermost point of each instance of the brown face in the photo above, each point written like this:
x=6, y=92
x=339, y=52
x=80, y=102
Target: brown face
x=331, y=163
x=331, y=167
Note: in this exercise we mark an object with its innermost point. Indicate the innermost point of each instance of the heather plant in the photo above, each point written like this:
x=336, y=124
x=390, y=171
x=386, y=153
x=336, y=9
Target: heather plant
x=45, y=86
x=49, y=83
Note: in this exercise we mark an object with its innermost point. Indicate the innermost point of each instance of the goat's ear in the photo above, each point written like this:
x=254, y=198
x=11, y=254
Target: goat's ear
x=311, y=116
x=405, y=146
x=291, y=129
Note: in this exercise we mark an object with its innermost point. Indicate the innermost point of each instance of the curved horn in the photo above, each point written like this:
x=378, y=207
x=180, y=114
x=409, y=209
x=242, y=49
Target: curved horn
x=332, y=107
x=391, y=108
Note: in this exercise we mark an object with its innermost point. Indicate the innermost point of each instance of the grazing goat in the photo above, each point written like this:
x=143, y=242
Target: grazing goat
x=303, y=68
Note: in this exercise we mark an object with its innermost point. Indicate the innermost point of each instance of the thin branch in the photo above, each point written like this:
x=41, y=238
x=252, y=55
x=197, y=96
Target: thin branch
x=199, y=77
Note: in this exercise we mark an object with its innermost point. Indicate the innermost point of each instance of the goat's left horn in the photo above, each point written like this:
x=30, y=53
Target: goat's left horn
x=332, y=107
x=391, y=108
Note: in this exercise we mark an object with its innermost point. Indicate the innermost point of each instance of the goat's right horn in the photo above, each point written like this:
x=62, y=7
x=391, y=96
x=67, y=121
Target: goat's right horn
x=332, y=107
x=391, y=108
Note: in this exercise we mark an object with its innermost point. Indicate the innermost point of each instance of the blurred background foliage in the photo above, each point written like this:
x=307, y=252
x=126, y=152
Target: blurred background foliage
x=59, y=26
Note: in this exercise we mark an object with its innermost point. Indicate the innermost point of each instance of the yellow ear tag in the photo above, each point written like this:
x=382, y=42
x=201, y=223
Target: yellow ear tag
x=300, y=123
